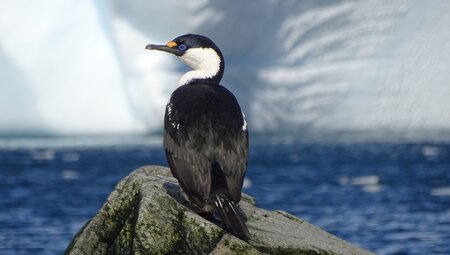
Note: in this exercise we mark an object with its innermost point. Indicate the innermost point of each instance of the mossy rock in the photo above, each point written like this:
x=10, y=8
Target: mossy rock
x=148, y=214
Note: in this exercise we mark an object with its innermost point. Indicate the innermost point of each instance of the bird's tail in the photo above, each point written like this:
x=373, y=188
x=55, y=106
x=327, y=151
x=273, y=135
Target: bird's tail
x=229, y=214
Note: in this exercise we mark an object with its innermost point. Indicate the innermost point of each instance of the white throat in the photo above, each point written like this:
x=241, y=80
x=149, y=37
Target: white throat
x=205, y=63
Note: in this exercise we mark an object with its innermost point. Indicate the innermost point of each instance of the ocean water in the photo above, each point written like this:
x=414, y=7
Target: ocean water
x=390, y=198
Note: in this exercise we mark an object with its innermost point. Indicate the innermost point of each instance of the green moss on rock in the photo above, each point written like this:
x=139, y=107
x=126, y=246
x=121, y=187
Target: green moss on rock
x=157, y=224
x=282, y=250
x=200, y=236
x=147, y=214
x=230, y=245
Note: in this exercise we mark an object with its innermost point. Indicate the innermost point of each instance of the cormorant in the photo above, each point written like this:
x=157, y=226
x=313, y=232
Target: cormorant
x=205, y=133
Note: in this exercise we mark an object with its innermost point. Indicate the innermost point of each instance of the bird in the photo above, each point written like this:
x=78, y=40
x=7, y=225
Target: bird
x=205, y=133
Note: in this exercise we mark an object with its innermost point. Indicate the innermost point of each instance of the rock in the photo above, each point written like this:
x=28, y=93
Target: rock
x=147, y=214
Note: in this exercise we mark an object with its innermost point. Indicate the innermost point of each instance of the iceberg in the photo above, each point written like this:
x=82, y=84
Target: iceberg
x=297, y=67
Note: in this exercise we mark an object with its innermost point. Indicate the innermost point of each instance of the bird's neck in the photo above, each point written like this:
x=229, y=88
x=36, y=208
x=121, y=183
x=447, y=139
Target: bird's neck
x=197, y=76
x=207, y=65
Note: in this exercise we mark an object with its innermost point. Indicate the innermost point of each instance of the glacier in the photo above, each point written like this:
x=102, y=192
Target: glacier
x=78, y=67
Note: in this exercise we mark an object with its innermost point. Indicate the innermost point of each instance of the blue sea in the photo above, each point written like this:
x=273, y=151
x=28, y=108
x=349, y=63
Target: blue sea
x=387, y=197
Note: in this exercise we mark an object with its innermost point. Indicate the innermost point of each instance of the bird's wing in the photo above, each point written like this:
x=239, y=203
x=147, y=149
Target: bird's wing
x=192, y=167
x=188, y=166
x=233, y=161
x=191, y=158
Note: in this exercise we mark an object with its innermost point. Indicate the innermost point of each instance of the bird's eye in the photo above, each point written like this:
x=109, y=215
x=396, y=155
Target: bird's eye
x=182, y=47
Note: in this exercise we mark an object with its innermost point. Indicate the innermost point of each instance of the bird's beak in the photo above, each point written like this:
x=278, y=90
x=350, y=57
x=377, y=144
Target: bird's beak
x=170, y=47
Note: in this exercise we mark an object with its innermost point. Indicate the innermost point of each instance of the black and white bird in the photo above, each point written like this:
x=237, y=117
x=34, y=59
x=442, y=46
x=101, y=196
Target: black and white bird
x=205, y=133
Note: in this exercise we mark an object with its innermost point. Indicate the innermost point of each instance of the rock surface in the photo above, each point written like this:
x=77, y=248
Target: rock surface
x=147, y=214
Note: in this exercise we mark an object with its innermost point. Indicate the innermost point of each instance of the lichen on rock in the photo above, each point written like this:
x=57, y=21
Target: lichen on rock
x=147, y=214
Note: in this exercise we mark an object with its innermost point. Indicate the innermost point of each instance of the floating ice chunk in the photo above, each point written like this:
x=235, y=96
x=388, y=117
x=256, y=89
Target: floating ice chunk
x=372, y=188
x=247, y=183
x=361, y=180
x=430, y=151
x=70, y=174
x=369, y=183
x=43, y=155
x=70, y=157
x=442, y=191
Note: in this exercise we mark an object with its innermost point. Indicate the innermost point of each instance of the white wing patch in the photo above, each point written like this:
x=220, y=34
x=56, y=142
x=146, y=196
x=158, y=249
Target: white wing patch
x=169, y=110
x=244, y=127
x=169, y=115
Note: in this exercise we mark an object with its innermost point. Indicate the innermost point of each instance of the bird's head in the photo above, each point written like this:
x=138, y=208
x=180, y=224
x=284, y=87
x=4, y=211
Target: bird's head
x=198, y=52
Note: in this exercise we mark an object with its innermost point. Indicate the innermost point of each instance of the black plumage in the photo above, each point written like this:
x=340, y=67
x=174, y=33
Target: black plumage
x=205, y=133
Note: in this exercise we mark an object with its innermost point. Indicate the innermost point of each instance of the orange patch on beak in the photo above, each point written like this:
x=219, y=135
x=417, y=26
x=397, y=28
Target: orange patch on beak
x=171, y=44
